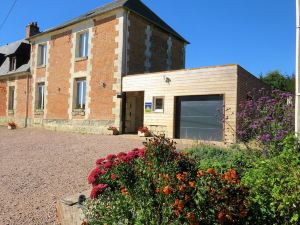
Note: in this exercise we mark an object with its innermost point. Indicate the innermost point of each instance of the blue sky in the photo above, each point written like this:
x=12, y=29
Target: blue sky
x=257, y=34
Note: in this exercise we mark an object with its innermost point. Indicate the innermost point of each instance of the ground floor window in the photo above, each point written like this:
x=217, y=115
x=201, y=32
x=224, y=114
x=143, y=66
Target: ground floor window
x=158, y=105
x=80, y=93
x=11, y=98
x=40, y=96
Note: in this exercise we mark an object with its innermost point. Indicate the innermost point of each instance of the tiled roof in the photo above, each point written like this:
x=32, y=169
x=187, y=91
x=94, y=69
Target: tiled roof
x=132, y=5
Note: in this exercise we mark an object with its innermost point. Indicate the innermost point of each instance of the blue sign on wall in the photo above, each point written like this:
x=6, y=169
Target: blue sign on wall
x=148, y=107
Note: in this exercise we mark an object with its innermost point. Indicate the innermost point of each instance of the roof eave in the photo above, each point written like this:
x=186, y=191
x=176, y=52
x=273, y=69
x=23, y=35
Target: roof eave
x=22, y=73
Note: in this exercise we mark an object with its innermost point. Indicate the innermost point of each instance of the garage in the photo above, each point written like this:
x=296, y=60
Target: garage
x=199, y=117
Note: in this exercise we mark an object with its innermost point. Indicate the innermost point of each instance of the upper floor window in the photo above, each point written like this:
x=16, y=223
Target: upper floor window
x=82, y=44
x=12, y=63
x=11, y=98
x=42, y=55
x=40, y=96
x=80, y=93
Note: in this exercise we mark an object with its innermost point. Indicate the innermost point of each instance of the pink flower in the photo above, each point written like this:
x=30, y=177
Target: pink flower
x=98, y=190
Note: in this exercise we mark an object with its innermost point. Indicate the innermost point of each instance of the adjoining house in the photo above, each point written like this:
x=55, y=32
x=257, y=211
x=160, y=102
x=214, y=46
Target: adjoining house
x=122, y=65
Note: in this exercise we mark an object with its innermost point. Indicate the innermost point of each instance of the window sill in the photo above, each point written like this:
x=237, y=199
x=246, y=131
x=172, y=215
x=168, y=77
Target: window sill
x=41, y=66
x=11, y=112
x=39, y=112
x=78, y=59
x=158, y=111
x=78, y=112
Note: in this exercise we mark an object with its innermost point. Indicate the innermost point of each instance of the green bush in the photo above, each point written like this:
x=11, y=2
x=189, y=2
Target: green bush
x=222, y=159
x=275, y=188
x=158, y=185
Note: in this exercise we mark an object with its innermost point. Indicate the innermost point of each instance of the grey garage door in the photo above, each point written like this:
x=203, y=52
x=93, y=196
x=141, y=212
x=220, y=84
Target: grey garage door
x=199, y=117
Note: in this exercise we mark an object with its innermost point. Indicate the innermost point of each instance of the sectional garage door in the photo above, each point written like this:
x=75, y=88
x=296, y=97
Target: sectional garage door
x=199, y=117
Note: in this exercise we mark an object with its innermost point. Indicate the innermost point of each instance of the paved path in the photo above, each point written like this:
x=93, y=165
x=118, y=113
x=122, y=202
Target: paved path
x=39, y=166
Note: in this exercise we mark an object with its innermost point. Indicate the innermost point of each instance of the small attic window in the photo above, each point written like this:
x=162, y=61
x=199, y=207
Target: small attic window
x=12, y=63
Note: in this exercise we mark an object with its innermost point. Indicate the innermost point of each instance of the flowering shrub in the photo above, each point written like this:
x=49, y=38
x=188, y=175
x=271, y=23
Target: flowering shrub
x=12, y=124
x=143, y=129
x=158, y=185
x=267, y=118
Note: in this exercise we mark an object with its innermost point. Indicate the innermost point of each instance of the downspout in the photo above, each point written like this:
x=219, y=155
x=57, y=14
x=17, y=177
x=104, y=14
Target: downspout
x=27, y=101
x=297, y=94
x=124, y=73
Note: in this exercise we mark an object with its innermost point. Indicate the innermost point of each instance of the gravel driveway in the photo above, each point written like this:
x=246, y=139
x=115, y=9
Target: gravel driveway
x=37, y=167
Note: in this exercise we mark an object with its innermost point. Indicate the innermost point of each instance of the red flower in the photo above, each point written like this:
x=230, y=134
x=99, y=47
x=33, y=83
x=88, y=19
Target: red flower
x=94, y=174
x=113, y=176
x=100, y=161
x=131, y=155
x=220, y=216
x=107, y=165
x=98, y=190
x=111, y=157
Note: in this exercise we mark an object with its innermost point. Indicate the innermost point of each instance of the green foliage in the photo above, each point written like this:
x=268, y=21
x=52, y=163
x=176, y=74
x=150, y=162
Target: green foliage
x=222, y=159
x=279, y=81
x=275, y=187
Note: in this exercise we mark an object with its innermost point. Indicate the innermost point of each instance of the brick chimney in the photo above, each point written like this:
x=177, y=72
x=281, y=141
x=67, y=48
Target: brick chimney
x=32, y=29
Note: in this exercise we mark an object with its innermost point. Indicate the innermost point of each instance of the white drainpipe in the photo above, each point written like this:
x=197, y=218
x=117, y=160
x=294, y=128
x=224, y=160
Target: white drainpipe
x=297, y=111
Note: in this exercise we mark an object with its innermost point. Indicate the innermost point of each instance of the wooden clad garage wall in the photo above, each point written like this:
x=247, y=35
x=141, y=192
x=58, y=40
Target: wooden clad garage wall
x=220, y=80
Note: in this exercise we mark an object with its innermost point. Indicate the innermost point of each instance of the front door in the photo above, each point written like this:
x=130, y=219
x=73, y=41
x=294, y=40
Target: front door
x=130, y=114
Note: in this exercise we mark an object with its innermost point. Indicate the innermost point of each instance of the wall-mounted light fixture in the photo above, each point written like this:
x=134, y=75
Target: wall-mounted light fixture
x=167, y=79
x=102, y=84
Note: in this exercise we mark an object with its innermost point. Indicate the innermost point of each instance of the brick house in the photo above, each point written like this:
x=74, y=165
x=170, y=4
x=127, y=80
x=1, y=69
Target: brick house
x=113, y=66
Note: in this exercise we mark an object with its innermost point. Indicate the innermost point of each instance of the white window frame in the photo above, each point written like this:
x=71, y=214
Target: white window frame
x=11, y=99
x=82, y=51
x=82, y=97
x=42, y=106
x=12, y=63
x=42, y=54
x=154, y=104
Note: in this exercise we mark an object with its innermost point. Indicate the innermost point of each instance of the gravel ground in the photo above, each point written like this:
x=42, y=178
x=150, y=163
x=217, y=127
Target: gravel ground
x=37, y=167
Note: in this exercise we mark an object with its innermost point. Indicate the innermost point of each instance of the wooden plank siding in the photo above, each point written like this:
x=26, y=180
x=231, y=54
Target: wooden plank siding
x=220, y=80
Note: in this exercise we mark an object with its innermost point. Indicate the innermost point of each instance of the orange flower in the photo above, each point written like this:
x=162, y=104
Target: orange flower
x=200, y=173
x=233, y=174
x=180, y=176
x=157, y=190
x=192, y=184
x=182, y=188
x=167, y=190
x=124, y=191
x=227, y=176
x=211, y=171
x=180, y=205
